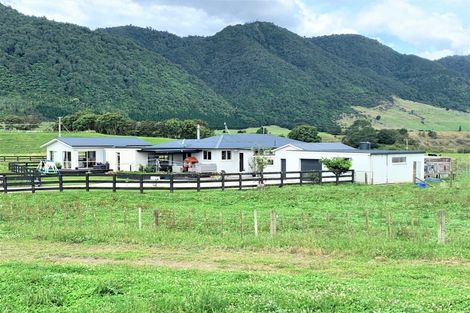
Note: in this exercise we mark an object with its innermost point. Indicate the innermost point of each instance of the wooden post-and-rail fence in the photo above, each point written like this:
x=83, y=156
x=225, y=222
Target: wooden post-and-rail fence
x=21, y=158
x=31, y=180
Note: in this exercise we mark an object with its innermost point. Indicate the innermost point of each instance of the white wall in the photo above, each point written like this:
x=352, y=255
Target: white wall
x=229, y=166
x=387, y=172
x=131, y=159
x=360, y=161
x=58, y=148
x=379, y=169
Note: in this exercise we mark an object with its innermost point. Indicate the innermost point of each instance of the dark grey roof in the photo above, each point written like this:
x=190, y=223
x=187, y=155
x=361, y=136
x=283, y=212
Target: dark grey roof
x=104, y=142
x=375, y=152
x=245, y=142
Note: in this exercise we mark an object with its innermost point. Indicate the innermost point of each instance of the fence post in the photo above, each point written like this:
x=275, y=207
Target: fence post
x=33, y=185
x=389, y=225
x=221, y=225
x=282, y=179
x=414, y=172
x=139, y=216
x=141, y=183
x=255, y=222
x=155, y=217
x=87, y=182
x=223, y=181
x=353, y=176
x=5, y=184
x=261, y=179
x=171, y=182
x=273, y=224
x=366, y=216
x=61, y=182
x=301, y=178
x=198, y=182
x=336, y=179
x=321, y=177
x=114, y=182
x=240, y=181
x=302, y=225
x=441, y=227
x=241, y=225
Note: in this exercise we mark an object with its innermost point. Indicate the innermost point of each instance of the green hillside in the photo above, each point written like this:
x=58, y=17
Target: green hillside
x=416, y=78
x=272, y=75
x=457, y=63
x=284, y=79
x=247, y=75
x=52, y=69
x=411, y=115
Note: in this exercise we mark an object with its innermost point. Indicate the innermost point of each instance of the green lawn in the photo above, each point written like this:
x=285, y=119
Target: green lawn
x=413, y=116
x=84, y=252
x=25, y=143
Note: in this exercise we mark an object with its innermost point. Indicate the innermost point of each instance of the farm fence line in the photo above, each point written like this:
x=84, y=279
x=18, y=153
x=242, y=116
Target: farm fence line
x=244, y=223
x=21, y=158
x=33, y=181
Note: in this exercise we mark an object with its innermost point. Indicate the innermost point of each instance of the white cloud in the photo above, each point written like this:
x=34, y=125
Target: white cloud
x=434, y=33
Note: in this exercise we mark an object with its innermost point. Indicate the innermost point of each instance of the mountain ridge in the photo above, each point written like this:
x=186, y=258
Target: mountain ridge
x=247, y=75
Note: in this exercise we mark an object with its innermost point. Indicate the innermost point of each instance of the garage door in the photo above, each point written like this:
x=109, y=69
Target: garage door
x=310, y=165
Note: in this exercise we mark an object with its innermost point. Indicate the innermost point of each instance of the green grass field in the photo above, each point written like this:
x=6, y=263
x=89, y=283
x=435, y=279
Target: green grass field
x=412, y=116
x=346, y=248
x=26, y=143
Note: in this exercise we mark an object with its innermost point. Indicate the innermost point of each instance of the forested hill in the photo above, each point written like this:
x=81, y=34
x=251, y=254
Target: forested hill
x=52, y=69
x=334, y=71
x=457, y=63
x=246, y=75
x=275, y=75
x=417, y=79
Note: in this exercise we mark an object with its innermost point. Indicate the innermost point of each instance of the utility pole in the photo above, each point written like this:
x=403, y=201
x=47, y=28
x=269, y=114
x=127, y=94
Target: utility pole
x=60, y=126
x=226, y=128
x=406, y=140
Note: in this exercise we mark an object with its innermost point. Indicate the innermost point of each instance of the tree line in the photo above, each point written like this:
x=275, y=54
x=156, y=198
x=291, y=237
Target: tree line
x=119, y=124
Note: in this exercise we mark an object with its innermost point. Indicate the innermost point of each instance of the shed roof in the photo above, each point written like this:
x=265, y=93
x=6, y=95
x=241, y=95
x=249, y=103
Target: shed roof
x=101, y=142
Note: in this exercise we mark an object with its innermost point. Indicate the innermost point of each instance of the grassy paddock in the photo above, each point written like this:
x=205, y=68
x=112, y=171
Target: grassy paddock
x=401, y=219
x=29, y=143
x=79, y=251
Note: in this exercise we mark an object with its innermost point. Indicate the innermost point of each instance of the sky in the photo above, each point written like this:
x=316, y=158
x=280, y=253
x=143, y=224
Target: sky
x=428, y=28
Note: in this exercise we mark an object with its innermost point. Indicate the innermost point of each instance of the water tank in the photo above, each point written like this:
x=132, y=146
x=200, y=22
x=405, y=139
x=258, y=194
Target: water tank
x=364, y=145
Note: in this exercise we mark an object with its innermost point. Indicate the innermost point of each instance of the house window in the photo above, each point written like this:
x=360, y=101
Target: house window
x=86, y=159
x=67, y=159
x=226, y=155
x=397, y=160
x=118, y=161
x=52, y=155
x=270, y=161
x=207, y=155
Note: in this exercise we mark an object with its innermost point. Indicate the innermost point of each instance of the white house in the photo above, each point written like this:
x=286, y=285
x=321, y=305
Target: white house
x=232, y=154
x=121, y=153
